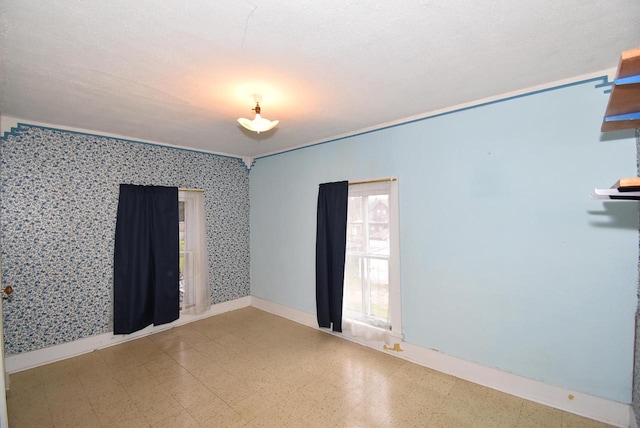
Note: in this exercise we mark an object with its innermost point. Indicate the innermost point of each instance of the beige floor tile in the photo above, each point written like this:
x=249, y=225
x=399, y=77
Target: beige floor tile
x=181, y=420
x=296, y=405
x=464, y=401
x=437, y=381
x=110, y=413
x=233, y=343
x=90, y=360
x=25, y=397
x=144, y=350
x=99, y=375
x=140, y=383
x=163, y=335
x=410, y=372
x=106, y=393
x=256, y=356
x=190, y=395
x=255, y=405
x=293, y=377
x=503, y=400
x=574, y=421
x=318, y=390
x=326, y=412
x=468, y=391
x=537, y=415
x=217, y=414
x=208, y=375
x=237, y=365
x=156, y=409
x=388, y=403
x=26, y=380
x=459, y=410
x=384, y=364
x=117, y=356
x=165, y=369
x=498, y=410
x=443, y=420
x=135, y=422
x=354, y=389
x=250, y=368
x=232, y=390
x=73, y=414
x=191, y=359
x=496, y=417
x=364, y=416
x=280, y=393
x=418, y=418
x=173, y=345
x=29, y=416
x=71, y=391
x=495, y=421
x=147, y=396
x=277, y=418
x=215, y=352
x=193, y=338
x=58, y=371
x=424, y=399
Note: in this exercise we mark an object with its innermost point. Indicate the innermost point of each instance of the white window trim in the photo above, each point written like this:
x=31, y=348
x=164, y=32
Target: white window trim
x=196, y=251
x=395, y=292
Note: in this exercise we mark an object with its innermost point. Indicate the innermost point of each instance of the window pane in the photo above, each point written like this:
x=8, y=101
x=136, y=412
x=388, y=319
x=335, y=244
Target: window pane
x=352, y=298
x=379, y=224
x=194, y=291
x=379, y=291
x=181, y=243
x=366, y=285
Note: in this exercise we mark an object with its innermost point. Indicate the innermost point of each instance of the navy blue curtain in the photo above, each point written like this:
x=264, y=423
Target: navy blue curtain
x=331, y=241
x=146, y=258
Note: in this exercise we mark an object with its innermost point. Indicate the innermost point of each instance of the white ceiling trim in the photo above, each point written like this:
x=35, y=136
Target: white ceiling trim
x=609, y=74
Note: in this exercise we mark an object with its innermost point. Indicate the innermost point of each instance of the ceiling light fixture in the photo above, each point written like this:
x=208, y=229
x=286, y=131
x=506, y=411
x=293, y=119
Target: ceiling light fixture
x=258, y=124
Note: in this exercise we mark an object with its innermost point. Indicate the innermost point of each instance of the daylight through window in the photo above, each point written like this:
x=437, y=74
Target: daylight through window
x=371, y=285
x=194, y=282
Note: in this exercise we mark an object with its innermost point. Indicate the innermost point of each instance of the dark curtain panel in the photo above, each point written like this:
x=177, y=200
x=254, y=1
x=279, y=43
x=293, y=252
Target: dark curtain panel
x=331, y=241
x=146, y=258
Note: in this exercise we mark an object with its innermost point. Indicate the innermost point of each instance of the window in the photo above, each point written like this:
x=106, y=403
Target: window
x=194, y=282
x=186, y=269
x=372, y=281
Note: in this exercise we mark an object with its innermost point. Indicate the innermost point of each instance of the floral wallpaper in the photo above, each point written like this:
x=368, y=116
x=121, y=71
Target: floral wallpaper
x=59, y=197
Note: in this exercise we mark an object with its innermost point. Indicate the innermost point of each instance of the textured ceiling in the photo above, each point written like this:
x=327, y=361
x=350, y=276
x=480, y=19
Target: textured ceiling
x=181, y=72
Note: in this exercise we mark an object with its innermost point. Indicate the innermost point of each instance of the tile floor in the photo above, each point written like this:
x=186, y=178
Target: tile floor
x=248, y=368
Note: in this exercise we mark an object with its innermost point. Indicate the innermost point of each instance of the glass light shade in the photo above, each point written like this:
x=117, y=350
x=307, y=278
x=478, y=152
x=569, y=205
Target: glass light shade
x=259, y=124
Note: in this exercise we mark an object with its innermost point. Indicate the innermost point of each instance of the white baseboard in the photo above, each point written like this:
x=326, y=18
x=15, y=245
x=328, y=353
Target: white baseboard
x=27, y=360
x=600, y=409
x=296, y=315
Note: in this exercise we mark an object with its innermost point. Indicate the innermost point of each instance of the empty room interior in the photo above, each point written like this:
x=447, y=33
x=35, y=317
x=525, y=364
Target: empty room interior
x=335, y=214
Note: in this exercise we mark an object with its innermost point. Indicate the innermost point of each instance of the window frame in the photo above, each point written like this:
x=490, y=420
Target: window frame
x=395, y=290
x=191, y=251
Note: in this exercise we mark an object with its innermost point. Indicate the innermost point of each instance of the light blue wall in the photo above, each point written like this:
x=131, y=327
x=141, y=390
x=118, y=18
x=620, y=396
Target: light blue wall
x=505, y=260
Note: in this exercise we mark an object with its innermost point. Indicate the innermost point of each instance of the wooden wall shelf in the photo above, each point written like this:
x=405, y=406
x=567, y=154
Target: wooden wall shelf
x=623, y=110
